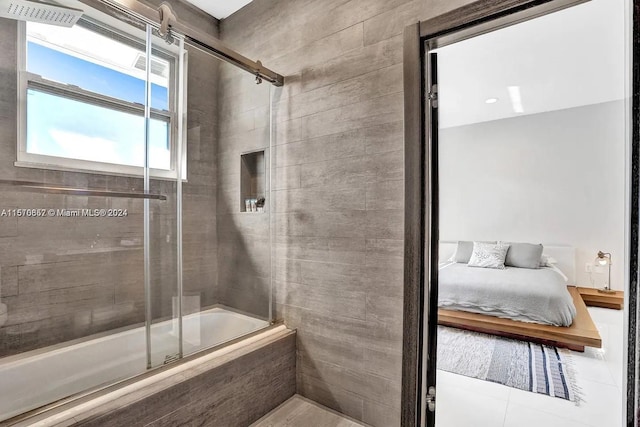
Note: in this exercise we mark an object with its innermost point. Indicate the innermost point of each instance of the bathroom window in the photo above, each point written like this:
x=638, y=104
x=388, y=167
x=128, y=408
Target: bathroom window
x=82, y=97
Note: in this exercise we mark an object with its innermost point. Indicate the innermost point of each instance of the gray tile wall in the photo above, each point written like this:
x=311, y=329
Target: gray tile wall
x=438, y=7
x=338, y=190
x=66, y=278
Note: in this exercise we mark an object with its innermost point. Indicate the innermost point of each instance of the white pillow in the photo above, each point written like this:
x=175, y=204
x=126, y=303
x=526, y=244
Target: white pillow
x=488, y=255
x=547, y=261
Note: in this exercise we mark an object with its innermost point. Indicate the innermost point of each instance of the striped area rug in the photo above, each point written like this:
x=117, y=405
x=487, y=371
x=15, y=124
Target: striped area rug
x=519, y=364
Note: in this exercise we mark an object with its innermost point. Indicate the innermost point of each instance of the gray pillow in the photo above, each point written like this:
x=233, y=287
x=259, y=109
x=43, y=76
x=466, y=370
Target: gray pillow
x=524, y=255
x=464, y=251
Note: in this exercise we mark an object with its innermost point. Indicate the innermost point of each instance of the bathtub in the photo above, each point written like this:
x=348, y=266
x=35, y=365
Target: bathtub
x=42, y=377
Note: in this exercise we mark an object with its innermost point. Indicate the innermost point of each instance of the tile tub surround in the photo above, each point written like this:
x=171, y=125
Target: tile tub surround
x=338, y=188
x=233, y=386
x=63, y=279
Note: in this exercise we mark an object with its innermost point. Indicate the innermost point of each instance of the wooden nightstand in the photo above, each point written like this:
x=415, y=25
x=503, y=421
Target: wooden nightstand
x=594, y=298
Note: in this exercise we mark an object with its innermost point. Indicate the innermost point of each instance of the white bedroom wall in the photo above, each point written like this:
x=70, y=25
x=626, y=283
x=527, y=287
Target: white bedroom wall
x=555, y=178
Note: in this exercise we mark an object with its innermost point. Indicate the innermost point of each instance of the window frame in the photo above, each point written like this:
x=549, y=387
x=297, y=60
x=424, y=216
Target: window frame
x=27, y=80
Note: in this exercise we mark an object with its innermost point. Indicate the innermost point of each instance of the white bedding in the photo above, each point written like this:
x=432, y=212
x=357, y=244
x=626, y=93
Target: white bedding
x=528, y=295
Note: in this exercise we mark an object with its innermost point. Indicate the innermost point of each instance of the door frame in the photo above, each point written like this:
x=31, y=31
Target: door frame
x=421, y=199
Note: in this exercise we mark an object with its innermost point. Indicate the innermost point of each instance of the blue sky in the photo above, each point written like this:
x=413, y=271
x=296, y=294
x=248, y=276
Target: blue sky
x=64, y=127
x=60, y=67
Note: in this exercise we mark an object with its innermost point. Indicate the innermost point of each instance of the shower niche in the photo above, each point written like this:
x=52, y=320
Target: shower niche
x=252, y=182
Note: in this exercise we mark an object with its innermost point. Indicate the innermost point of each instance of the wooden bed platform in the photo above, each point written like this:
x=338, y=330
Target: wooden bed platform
x=581, y=333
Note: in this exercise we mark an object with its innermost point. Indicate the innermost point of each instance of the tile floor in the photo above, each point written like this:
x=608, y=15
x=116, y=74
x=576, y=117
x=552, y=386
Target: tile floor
x=464, y=402
x=301, y=412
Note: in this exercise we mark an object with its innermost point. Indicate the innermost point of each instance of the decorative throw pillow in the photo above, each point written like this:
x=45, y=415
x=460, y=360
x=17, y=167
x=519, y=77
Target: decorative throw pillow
x=523, y=255
x=547, y=261
x=488, y=255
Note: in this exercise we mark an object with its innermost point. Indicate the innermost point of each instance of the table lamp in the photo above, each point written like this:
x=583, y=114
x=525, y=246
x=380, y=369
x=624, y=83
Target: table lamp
x=604, y=259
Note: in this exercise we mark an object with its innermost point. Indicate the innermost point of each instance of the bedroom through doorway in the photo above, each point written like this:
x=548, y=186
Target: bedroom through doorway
x=530, y=172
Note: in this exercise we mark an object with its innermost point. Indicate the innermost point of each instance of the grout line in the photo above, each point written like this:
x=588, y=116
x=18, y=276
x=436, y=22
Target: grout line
x=506, y=409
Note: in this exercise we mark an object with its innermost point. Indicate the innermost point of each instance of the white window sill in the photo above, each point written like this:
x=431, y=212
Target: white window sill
x=154, y=174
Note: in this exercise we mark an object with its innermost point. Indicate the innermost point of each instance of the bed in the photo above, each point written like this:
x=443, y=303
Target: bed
x=522, y=294
x=532, y=304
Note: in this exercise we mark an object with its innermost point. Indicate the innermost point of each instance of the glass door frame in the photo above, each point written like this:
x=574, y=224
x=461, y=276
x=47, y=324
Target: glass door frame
x=421, y=192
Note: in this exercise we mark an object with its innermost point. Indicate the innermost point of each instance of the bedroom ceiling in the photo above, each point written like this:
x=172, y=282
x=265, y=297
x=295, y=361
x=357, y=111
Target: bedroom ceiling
x=220, y=8
x=567, y=59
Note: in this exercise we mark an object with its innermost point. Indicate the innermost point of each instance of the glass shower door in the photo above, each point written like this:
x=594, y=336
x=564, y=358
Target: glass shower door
x=71, y=248
x=93, y=165
x=88, y=221
x=227, y=205
x=162, y=230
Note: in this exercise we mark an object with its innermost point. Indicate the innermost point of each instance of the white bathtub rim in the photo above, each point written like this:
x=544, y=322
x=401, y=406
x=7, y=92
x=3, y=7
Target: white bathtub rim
x=67, y=416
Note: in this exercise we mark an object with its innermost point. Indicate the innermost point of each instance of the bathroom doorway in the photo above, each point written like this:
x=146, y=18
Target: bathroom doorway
x=482, y=150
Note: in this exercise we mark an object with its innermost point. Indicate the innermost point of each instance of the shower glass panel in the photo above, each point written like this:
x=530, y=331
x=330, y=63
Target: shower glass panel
x=135, y=223
x=163, y=241
x=78, y=222
x=227, y=250
x=72, y=300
